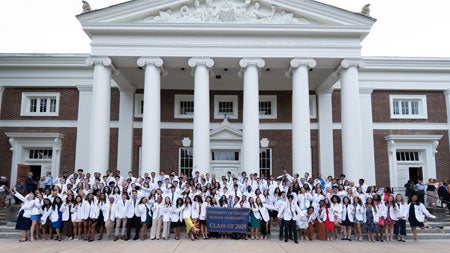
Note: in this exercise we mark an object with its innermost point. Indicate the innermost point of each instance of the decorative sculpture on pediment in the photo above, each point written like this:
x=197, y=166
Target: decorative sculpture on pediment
x=227, y=11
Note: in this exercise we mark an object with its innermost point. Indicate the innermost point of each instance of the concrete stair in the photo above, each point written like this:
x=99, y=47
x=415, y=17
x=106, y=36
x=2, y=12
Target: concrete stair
x=436, y=230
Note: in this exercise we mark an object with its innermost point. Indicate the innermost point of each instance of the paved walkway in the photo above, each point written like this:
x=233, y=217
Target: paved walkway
x=223, y=246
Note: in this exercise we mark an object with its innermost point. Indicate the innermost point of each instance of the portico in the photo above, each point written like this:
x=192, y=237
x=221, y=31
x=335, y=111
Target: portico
x=204, y=49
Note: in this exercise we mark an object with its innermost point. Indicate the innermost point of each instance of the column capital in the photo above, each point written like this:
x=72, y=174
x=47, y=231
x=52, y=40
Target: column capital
x=348, y=63
x=258, y=62
x=144, y=61
x=300, y=62
x=104, y=60
x=195, y=61
x=306, y=62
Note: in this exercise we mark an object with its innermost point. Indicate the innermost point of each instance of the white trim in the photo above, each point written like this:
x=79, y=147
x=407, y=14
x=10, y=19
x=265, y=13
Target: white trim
x=27, y=96
x=312, y=107
x=177, y=99
x=426, y=145
x=273, y=103
x=138, y=99
x=225, y=98
x=20, y=142
x=421, y=99
x=189, y=125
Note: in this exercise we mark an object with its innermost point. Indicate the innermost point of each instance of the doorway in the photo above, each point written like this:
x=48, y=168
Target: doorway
x=415, y=174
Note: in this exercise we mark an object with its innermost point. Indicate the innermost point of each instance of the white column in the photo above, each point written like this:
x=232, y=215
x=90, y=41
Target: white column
x=250, y=143
x=202, y=152
x=301, y=129
x=125, y=138
x=325, y=117
x=1, y=97
x=83, y=127
x=100, y=115
x=365, y=95
x=151, y=125
x=352, y=155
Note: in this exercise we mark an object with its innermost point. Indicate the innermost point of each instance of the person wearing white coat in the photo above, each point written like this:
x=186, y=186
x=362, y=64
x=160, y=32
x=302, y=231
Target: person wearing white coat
x=144, y=209
x=360, y=217
x=390, y=214
x=288, y=213
x=78, y=217
x=167, y=210
x=155, y=231
x=261, y=212
x=120, y=208
x=45, y=219
x=108, y=215
x=416, y=215
x=66, y=208
x=400, y=224
x=347, y=218
x=23, y=219
x=91, y=212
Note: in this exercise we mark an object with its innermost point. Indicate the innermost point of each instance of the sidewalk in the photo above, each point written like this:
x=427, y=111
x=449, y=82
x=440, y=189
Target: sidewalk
x=224, y=246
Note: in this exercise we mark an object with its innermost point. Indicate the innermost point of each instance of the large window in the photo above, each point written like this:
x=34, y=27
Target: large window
x=184, y=106
x=40, y=104
x=267, y=106
x=408, y=106
x=265, y=162
x=225, y=106
x=185, y=158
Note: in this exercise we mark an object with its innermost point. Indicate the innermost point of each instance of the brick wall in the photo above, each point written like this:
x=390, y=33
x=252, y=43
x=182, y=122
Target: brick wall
x=435, y=104
x=12, y=101
x=68, y=147
x=284, y=105
x=382, y=160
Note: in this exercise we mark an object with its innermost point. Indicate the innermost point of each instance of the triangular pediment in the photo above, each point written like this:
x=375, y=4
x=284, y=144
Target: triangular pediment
x=294, y=12
x=225, y=132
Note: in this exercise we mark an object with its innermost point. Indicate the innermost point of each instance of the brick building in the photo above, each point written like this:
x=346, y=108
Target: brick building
x=219, y=86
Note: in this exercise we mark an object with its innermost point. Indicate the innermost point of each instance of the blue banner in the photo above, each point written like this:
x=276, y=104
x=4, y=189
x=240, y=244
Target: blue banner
x=233, y=220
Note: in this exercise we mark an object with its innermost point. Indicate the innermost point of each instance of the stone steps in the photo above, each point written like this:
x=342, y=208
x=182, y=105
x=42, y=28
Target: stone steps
x=436, y=231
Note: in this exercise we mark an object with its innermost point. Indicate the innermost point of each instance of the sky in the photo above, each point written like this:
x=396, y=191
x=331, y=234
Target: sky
x=414, y=28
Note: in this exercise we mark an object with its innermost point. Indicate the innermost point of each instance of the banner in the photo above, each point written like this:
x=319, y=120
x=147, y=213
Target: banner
x=233, y=220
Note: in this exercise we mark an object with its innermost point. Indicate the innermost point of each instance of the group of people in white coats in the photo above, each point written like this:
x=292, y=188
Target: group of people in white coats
x=155, y=205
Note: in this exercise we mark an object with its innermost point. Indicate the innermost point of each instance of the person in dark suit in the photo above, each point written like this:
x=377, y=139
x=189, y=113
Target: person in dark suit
x=444, y=194
x=30, y=185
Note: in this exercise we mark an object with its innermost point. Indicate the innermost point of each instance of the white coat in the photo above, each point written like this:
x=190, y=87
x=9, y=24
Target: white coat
x=65, y=212
x=142, y=209
x=360, y=213
x=289, y=211
x=167, y=212
x=120, y=208
x=421, y=211
x=177, y=213
x=403, y=210
x=392, y=210
x=336, y=208
x=304, y=200
x=347, y=211
x=91, y=209
x=105, y=208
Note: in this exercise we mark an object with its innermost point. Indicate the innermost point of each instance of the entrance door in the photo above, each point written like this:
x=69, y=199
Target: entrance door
x=22, y=172
x=415, y=174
